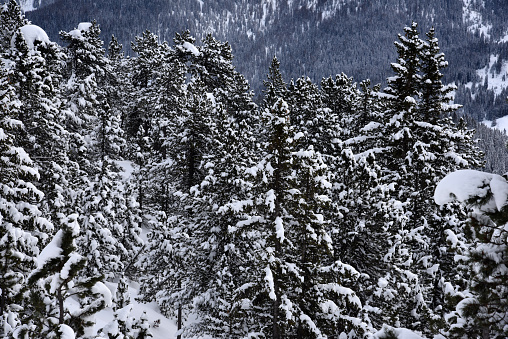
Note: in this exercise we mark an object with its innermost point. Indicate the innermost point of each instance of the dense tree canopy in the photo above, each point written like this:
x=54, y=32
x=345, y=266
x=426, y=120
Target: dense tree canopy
x=310, y=216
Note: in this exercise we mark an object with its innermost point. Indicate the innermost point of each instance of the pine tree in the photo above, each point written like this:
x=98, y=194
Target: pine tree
x=35, y=76
x=98, y=138
x=186, y=147
x=57, y=277
x=21, y=222
x=143, y=328
x=481, y=306
x=121, y=327
x=288, y=212
x=275, y=86
x=341, y=96
x=419, y=144
x=220, y=247
x=11, y=19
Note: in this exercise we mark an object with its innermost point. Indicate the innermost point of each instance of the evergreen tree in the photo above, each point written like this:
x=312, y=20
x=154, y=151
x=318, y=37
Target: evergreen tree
x=341, y=96
x=57, y=276
x=220, y=247
x=21, y=222
x=190, y=142
x=421, y=144
x=11, y=19
x=289, y=202
x=121, y=327
x=143, y=328
x=35, y=76
x=481, y=307
x=275, y=86
x=98, y=137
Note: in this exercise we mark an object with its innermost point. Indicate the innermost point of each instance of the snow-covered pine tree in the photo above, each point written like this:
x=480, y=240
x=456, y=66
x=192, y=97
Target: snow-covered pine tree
x=298, y=276
x=36, y=73
x=121, y=327
x=420, y=144
x=142, y=328
x=99, y=138
x=357, y=196
x=20, y=219
x=150, y=78
x=11, y=19
x=481, y=307
x=59, y=277
x=449, y=148
x=180, y=167
x=309, y=116
x=400, y=290
x=275, y=86
x=145, y=69
x=219, y=238
x=341, y=96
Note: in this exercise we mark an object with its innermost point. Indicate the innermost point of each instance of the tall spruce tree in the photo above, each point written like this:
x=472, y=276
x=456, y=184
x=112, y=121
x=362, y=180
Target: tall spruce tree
x=99, y=137
x=290, y=198
x=36, y=76
x=21, y=222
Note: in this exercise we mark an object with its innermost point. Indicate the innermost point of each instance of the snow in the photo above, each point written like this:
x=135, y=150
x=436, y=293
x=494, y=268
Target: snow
x=82, y=27
x=279, y=229
x=270, y=283
x=33, y=33
x=52, y=250
x=500, y=124
x=166, y=329
x=464, y=185
x=211, y=98
x=28, y=5
x=191, y=48
x=66, y=332
x=474, y=20
x=100, y=288
x=74, y=258
x=127, y=167
x=402, y=333
x=496, y=81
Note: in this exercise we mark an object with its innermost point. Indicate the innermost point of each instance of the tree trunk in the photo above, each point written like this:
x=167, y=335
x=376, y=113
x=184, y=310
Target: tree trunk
x=60, y=306
x=485, y=332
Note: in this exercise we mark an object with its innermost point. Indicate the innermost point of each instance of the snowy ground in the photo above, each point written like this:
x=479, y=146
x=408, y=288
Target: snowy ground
x=501, y=124
x=165, y=330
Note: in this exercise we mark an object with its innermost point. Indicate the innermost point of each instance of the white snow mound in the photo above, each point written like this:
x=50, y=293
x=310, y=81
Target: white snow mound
x=82, y=27
x=33, y=33
x=191, y=48
x=466, y=184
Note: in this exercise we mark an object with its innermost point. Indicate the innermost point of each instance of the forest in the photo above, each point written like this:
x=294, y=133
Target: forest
x=310, y=214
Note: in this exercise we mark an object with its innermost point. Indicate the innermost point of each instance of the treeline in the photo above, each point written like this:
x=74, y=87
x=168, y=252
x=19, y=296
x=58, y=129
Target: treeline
x=310, y=215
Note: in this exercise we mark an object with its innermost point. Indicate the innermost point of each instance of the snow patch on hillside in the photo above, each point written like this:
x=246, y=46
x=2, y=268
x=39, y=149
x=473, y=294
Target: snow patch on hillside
x=499, y=124
x=332, y=8
x=473, y=18
x=496, y=81
x=28, y=5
